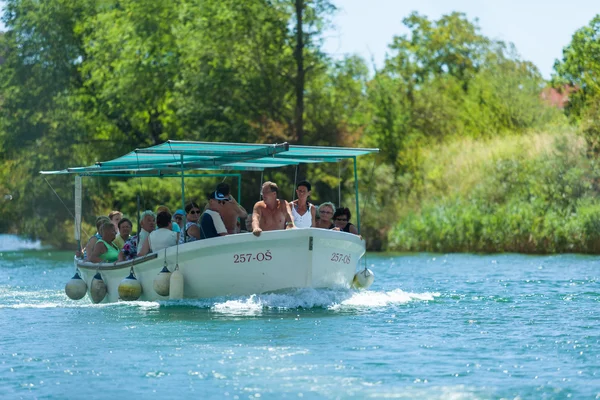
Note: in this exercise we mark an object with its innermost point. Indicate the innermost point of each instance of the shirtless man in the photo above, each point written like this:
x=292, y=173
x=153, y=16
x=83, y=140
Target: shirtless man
x=271, y=214
x=231, y=210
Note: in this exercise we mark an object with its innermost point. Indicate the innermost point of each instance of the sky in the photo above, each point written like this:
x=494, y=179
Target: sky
x=539, y=29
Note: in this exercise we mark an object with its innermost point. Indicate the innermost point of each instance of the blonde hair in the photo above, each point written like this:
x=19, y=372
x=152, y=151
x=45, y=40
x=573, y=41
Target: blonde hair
x=326, y=204
x=114, y=214
x=160, y=209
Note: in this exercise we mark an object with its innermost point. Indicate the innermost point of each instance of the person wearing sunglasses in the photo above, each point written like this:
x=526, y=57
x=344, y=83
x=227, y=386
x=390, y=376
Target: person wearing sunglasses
x=270, y=213
x=325, y=213
x=304, y=213
x=341, y=219
x=192, y=215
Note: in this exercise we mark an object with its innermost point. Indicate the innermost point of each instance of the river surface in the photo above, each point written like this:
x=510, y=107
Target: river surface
x=432, y=326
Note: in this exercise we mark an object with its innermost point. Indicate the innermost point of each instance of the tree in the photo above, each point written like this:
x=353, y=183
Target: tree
x=580, y=67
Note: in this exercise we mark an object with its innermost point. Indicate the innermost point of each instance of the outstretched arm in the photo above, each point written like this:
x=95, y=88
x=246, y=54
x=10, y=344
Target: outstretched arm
x=289, y=218
x=256, y=214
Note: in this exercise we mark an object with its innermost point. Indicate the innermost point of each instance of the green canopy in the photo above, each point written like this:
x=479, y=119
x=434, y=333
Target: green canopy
x=177, y=156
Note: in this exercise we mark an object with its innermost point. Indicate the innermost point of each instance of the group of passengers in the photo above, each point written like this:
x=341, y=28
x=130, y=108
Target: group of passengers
x=113, y=241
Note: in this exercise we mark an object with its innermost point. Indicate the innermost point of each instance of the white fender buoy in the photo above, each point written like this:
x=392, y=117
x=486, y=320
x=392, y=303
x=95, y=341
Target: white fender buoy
x=97, y=288
x=363, y=279
x=130, y=288
x=162, y=282
x=176, y=285
x=76, y=288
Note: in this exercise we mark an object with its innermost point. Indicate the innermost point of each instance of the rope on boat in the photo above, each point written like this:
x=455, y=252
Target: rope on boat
x=63, y=203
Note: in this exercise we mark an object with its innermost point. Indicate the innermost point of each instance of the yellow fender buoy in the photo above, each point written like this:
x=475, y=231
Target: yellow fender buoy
x=162, y=282
x=76, y=288
x=363, y=279
x=97, y=288
x=176, y=284
x=130, y=288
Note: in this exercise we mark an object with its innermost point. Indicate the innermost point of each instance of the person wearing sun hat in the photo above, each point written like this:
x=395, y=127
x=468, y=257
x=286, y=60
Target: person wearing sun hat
x=211, y=223
x=179, y=220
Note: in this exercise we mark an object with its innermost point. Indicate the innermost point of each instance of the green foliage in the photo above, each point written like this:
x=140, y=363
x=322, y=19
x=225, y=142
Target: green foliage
x=84, y=81
x=534, y=203
x=580, y=67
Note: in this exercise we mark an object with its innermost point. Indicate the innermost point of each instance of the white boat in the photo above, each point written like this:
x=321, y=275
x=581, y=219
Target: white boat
x=240, y=264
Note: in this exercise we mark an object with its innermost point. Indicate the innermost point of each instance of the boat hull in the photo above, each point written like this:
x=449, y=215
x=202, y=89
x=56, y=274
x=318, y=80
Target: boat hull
x=243, y=264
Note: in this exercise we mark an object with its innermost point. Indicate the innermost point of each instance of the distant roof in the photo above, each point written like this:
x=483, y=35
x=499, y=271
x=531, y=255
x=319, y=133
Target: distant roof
x=177, y=156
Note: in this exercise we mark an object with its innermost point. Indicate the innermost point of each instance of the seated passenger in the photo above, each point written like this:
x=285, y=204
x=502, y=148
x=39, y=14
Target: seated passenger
x=148, y=223
x=161, y=238
x=211, y=223
x=92, y=240
x=104, y=250
x=130, y=248
x=341, y=219
x=124, y=230
x=192, y=229
x=174, y=227
x=303, y=212
x=325, y=213
x=231, y=210
x=271, y=214
x=178, y=219
x=115, y=217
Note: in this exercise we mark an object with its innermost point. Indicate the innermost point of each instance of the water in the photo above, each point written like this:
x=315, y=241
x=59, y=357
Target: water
x=431, y=327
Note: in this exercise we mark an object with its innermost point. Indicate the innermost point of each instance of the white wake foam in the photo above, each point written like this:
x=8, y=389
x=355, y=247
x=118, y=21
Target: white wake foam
x=15, y=243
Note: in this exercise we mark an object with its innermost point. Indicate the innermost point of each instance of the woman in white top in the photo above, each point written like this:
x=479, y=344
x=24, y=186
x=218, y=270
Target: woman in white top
x=161, y=238
x=304, y=213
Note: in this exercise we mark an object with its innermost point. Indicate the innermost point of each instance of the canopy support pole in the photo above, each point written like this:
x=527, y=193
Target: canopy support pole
x=78, y=211
x=356, y=194
x=184, y=233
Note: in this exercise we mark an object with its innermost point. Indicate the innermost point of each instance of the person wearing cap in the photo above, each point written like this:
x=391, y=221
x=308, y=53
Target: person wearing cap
x=270, y=213
x=178, y=218
x=231, y=210
x=211, y=223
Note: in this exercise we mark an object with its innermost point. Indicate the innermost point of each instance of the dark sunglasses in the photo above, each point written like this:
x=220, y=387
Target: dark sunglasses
x=195, y=212
x=178, y=217
x=341, y=219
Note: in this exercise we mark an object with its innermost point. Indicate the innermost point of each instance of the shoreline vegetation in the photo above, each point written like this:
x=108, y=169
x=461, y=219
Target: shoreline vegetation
x=478, y=152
